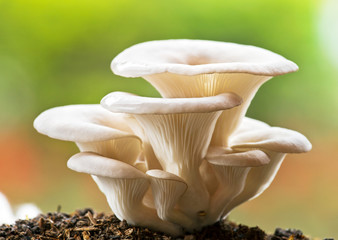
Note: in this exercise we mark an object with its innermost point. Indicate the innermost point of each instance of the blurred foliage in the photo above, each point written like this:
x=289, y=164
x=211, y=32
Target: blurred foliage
x=56, y=53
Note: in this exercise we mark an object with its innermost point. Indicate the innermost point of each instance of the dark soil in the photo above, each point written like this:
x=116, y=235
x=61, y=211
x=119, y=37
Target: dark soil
x=85, y=224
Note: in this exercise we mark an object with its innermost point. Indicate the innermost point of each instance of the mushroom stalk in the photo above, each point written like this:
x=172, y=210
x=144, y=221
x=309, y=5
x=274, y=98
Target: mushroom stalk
x=180, y=142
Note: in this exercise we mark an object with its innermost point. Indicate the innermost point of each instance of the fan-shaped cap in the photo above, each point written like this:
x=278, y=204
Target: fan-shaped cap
x=97, y=165
x=250, y=124
x=192, y=57
x=129, y=103
x=272, y=138
x=82, y=123
x=252, y=158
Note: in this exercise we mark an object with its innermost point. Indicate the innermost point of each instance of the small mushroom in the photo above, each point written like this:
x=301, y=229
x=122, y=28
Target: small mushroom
x=23, y=211
x=93, y=129
x=276, y=143
x=198, y=68
x=272, y=138
x=124, y=187
x=6, y=215
x=231, y=169
x=179, y=130
x=167, y=189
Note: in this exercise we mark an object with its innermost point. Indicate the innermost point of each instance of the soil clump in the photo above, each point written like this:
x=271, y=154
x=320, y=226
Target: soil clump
x=86, y=224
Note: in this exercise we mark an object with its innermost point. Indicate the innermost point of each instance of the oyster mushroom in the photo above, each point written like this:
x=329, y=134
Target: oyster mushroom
x=93, y=129
x=231, y=169
x=186, y=160
x=179, y=130
x=124, y=187
x=167, y=189
x=276, y=142
x=6, y=215
x=23, y=211
x=198, y=68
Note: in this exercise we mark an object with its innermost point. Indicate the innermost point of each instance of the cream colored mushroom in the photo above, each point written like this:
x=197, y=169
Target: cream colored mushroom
x=23, y=211
x=276, y=143
x=198, y=68
x=179, y=131
x=231, y=169
x=206, y=157
x=167, y=190
x=93, y=129
x=124, y=187
x=6, y=215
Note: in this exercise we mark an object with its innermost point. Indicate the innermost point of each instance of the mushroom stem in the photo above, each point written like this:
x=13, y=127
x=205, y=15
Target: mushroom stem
x=180, y=142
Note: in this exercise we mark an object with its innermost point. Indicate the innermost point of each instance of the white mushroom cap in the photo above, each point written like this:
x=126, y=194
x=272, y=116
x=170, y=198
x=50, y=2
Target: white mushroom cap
x=198, y=68
x=82, y=123
x=27, y=210
x=93, y=129
x=249, y=124
x=129, y=103
x=222, y=157
x=272, y=138
x=97, y=165
x=193, y=57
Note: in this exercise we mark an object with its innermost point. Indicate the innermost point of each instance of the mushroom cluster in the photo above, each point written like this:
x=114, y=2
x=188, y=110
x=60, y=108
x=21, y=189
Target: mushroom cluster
x=183, y=161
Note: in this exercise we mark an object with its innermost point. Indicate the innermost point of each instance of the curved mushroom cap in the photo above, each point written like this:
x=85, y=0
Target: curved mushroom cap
x=272, y=138
x=129, y=103
x=165, y=176
x=192, y=57
x=82, y=123
x=97, y=165
x=252, y=158
x=250, y=124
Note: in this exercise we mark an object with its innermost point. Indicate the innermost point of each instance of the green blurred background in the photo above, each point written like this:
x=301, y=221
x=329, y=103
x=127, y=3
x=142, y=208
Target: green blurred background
x=56, y=53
